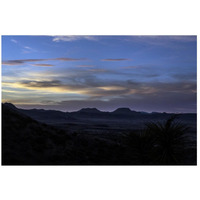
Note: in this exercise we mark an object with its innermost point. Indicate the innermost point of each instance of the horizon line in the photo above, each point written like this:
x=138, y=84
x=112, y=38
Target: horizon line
x=160, y=112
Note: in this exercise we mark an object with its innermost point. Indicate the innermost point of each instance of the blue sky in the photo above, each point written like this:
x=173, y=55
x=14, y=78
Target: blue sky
x=146, y=73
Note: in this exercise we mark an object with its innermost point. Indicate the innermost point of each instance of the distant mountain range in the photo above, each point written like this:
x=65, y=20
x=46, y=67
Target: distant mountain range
x=90, y=113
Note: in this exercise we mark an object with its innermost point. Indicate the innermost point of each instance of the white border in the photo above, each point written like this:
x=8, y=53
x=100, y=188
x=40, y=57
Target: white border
x=99, y=18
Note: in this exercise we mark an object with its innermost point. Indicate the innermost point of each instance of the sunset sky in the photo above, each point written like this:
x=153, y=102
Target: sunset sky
x=144, y=73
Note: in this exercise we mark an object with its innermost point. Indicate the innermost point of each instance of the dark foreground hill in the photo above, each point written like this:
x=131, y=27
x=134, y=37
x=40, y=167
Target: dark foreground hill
x=26, y=141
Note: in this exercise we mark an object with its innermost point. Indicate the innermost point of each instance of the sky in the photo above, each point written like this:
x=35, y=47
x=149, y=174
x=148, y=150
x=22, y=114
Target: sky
x=67, y=73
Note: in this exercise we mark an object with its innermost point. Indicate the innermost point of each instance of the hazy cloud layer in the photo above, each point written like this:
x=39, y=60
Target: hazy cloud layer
x=95, y=87
x=108, y=94
x=168, y=102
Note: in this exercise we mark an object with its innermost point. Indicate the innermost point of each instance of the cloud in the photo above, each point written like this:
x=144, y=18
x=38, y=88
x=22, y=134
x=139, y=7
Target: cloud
x=73, y=38
x=166, y=102
x=14, y=41
x=68, y=59
x=41, y=84
x=83, y=83
x=89, y=86
x=89, y=89
x=48, y=86
x=21, y=62
x=12, y=62
x=26, y=47
x=115, y=59
x=43, y=65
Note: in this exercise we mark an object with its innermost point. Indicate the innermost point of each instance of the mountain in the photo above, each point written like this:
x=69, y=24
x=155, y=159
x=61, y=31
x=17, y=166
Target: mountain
x=122, y=111
x=89, y=110
x=45, y=115
x=90, y=115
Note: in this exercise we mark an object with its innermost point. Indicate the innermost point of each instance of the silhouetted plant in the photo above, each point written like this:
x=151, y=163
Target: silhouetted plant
x=159, y=143
x=170, y=141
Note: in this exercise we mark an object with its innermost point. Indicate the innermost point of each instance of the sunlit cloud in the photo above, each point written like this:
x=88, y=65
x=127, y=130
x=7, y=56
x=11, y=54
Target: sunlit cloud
x=112, y=88
x=73, y=38
x=91, y=91
x=52, y=86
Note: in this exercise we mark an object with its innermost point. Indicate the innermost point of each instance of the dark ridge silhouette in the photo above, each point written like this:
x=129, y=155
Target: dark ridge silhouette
x=122, y=110
x=25, y=141
x=10, y=105
x=45, y=115
x=125, y=112
x=89, y=110
x=28, y=142
x=119, y=119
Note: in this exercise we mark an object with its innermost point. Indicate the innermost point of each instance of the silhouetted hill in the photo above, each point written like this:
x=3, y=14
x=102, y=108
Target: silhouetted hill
x=89, y=110
x=26, y=141
x=45, y=115
x=125, y=111
x=122, y=111
x=10, y=105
